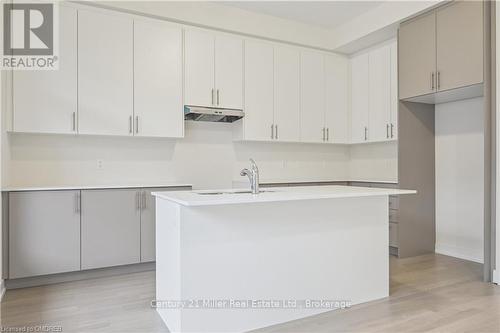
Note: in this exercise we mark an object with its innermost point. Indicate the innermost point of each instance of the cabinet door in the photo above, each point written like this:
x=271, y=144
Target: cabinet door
x=460, y=44
x=229, y=72
x=312, y=92
x=105, y=75
x=148, y=218
x=379, y=79
x=199, y=63
x=337, y=98
x=417, y=56
x=45, y=101
x=259, y=92
x=287, y=93
x=394, y=91
x=110, y=228
x=359, y=98
x=44, y=233
x=158, y=80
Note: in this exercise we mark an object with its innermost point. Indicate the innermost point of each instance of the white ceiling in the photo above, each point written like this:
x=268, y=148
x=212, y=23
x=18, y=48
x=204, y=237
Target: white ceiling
x=326, y=14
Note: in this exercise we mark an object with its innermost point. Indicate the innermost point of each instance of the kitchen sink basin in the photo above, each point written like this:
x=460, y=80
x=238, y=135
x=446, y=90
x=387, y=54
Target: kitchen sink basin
x=231, y=192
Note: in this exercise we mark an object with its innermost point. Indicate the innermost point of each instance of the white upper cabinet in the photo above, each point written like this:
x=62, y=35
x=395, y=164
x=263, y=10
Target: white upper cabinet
x=287, y=94
x=199, y=68
x=379, y=79
x=337, y=98
x=374, y=94
x=46, y=101
x=105, y=73
x=213, y=69
x=312, y=92
x=394, y=91
x=359, y=98
x=259, y=91
x=157, y=79
x=229, y=72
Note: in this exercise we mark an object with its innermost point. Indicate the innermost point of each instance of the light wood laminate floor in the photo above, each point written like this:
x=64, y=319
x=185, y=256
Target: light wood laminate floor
x=430, y=293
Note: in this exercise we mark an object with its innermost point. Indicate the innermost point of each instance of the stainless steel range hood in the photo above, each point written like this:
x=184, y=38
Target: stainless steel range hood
x=199, y=113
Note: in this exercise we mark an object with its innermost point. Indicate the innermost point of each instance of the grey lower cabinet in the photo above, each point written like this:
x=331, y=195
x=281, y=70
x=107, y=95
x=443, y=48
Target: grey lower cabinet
x=44, y=233
x=118, y=227
x=148, y=212
x=53, y=232
x=111, y=228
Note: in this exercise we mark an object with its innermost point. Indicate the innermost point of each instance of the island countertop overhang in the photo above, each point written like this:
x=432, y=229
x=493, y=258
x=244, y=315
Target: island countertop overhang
x=275, y=194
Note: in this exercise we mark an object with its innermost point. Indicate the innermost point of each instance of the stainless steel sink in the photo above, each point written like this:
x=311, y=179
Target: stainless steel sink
x=231, y=192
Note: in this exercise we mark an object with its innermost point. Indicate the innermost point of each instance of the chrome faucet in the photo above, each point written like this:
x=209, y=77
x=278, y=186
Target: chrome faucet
x=253, y=176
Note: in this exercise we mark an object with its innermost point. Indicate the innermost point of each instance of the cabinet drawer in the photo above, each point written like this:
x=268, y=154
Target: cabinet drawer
x=393, y=234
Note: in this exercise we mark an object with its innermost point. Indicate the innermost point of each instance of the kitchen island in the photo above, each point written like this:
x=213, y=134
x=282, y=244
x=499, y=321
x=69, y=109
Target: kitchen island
x=231, y=261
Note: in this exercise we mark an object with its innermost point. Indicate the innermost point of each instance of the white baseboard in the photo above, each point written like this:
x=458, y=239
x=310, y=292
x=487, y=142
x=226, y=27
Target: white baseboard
x=496, y=276
x=461, y=253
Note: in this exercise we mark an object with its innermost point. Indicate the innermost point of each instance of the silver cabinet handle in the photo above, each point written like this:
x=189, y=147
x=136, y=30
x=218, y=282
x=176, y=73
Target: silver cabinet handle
x=130, y=124
x=432, y=81
x=137, y=200
x=276, y=132
x=213, y=96
x=136, y=124
x=272, y=131
x=327, y=134
x=438, y=80
x=392, y=130
x=366, y=133
x=73, y=120
x=387, y=131
x=218, y=97
x=323, y=129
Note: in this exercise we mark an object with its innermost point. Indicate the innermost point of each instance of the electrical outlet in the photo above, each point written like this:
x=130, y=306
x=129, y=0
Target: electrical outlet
x=100, y=164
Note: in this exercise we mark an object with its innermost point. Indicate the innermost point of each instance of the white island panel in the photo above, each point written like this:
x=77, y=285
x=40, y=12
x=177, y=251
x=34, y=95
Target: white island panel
x=333, y=249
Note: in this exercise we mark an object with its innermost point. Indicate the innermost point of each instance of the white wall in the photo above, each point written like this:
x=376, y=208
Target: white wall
x=207, y=157
x=374, y=162
x=216, y=15
x=459, y=179
x=374, y=26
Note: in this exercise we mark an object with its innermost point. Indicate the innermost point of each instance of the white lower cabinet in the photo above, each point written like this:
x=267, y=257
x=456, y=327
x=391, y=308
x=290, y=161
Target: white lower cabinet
x=44, y=233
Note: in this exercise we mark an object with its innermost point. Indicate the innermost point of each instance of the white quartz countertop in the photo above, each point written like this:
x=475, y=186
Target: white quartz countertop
x=89, y=187
x=275, y=194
